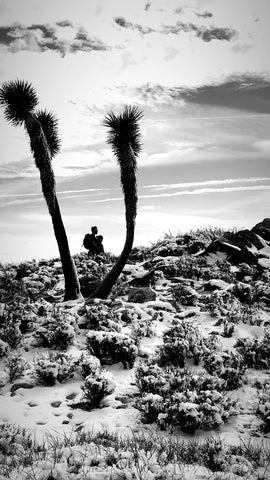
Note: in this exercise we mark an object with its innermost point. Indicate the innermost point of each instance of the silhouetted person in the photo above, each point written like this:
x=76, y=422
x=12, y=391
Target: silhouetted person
x=100, y=247
x=91, y=243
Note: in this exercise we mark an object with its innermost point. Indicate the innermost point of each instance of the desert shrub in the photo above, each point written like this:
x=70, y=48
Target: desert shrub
x=256, y=353
x=4, y=348
x=16, y=366
x=10, y=327
x=100, y=317
x=112, y=347
x=190, y=267
x=182, y=399
x=263, y=409
x=57, y=330
x=142, y=328
x=96, y=387
x=228, y=366
x=54, y=367
x=244, y=292
x=222, y=302
x=121, y=288
x=184, y=294
x=88, y=364
x=228, y=328
x=182, y=341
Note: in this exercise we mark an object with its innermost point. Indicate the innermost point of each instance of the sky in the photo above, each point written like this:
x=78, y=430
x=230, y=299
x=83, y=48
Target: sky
x=199, y=70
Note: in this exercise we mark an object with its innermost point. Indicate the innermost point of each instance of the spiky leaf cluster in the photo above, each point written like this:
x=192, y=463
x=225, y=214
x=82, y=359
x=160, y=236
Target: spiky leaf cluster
x=19, y=99
x=49, y=126
x=124, y=129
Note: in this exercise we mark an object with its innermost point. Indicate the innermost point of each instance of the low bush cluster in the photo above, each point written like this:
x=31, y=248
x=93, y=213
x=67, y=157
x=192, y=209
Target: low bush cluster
x=229, y=366
x=54, y=367
x=112, y=347
x=256, y=353
x=173, y=397
x=57, y=330
x=100, y=317
x=96, y=387
x=263, y=409
x=16, y=365
x=182, y=341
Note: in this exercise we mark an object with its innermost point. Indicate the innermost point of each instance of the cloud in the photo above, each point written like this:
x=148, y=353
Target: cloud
x=122, y=22
x=207, y=34
x=204, y=15
x=197, y=191
x=245, y=92
x=226, y=181
x=63, y=37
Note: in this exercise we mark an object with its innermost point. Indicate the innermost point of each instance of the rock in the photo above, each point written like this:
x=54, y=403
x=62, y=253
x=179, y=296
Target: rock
x=56, y=404
x=248, y=256
x=264, y=262
x=141, y=295
x=215, y=284
x=223, y=245
x=263, y=229
x=143, y=280
x=244, y=238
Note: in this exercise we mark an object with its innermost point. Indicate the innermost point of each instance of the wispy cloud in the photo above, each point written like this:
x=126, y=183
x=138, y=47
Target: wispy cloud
x=63, y=37
x=207, y=34
x=226, y=181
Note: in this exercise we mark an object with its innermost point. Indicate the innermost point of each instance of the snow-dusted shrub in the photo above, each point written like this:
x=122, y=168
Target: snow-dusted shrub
x=228, y=328
x=184, y=294
x=223, y=302
x=100, y=317
x=112, y=347
x=185, y=400
x=263, y=409
x=15, y=365
x=244, y=292
x=256, y=353
x=57, y=331
x=182, y=341
x=10, y=328
x=142, y=328
x=4, y=347
x=151, y=378
x=88, y=364
x=229, y=366
x=96, y=387
x=54, y=367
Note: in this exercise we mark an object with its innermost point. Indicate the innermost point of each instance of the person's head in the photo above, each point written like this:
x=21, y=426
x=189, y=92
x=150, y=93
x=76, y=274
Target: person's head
x=99, y=238
x=94, y=230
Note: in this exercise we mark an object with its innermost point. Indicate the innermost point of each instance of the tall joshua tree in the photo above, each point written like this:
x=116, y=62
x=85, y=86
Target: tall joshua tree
x=124, y=137
x=20, y=100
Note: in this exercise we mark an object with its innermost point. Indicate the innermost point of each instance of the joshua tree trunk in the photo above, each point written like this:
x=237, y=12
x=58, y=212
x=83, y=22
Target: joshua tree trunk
x=41, y=152
x=20, y=100
x=124, y=137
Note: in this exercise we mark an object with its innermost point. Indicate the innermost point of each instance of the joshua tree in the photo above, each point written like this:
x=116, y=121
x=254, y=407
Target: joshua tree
x=20, y=100
x=124, y=136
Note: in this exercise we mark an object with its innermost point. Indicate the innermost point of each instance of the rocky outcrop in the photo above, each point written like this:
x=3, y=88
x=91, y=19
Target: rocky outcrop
x=263, y=229
x=141, y=295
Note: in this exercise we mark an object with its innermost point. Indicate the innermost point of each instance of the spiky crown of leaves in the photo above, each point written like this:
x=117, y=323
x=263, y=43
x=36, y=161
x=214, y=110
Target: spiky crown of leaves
x=49, y=126
x=124, y=129
x=19, y=99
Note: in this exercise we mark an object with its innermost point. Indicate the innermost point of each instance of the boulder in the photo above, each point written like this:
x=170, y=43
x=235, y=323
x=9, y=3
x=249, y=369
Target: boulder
x=141, y=295
x=263, y=229
x=216, y=284
x=244, y=238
